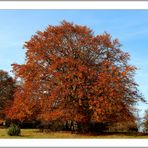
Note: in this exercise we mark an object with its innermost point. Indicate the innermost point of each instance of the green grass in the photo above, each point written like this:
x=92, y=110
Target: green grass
x=34, y=133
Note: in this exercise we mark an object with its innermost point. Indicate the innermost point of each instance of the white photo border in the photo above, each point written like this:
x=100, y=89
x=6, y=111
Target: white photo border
x=75, y=5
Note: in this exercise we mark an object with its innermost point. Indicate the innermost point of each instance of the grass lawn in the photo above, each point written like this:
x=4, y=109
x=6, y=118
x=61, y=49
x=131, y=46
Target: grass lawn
x=34, y=133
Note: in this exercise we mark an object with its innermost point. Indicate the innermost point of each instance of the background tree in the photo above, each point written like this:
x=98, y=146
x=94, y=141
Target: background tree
x=7, y=86
x=71, y=74
x=145, y=122
x=138, y=121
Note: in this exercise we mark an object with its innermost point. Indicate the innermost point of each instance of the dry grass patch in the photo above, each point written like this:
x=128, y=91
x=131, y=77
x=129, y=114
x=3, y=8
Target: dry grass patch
x=35, y=133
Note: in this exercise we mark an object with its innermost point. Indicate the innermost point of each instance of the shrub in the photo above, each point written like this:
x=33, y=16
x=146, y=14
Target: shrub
x=14, y=130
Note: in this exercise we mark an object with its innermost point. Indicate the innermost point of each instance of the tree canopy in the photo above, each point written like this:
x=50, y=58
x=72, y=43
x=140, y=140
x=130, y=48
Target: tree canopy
x=7, y=86
x=145, y=122
x=72, y=74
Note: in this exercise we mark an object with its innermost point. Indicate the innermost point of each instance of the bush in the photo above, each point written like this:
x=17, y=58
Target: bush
x=14, y=130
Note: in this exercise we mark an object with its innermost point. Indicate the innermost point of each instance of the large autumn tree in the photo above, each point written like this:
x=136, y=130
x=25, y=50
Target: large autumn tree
x=7, y=86
x=72, y=74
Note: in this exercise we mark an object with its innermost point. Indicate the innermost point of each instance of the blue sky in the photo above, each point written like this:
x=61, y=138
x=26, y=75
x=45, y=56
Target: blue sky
x=129, y=26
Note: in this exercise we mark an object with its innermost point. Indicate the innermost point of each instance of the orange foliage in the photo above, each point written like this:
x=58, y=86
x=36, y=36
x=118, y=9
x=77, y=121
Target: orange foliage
x=71, y=74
